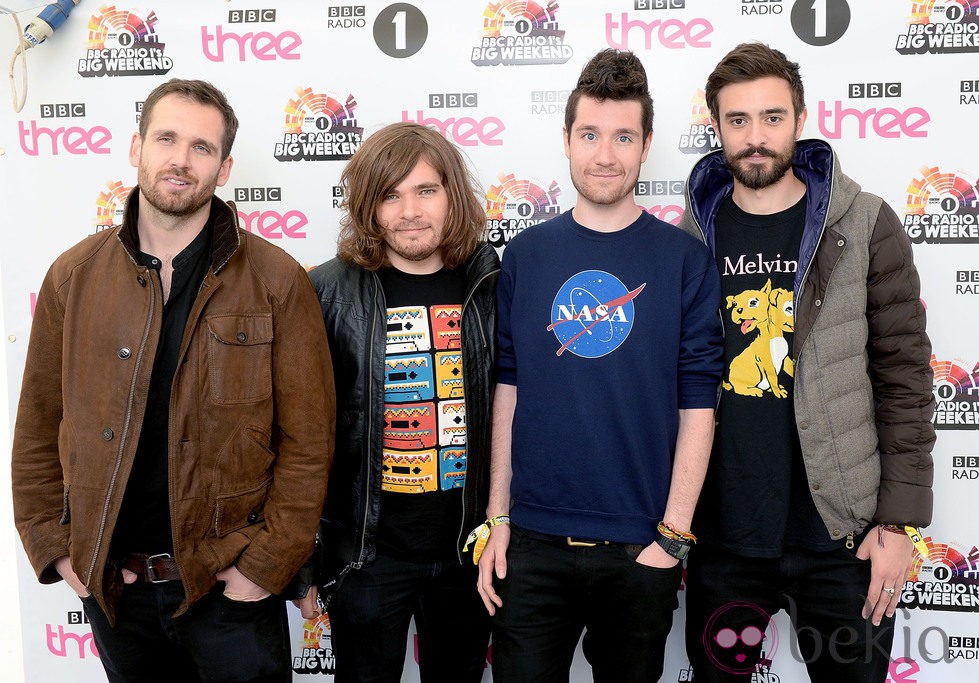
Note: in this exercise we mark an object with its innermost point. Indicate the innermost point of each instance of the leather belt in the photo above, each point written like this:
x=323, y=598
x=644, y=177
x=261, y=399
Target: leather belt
x=158, y=568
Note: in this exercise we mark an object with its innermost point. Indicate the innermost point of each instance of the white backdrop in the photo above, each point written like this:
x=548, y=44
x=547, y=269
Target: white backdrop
x=893, y=85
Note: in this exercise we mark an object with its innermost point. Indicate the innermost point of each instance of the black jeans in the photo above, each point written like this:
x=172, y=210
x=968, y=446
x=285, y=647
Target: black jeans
x=730, y=599
x=553, y=590
x=373, y=606
x=217, y=639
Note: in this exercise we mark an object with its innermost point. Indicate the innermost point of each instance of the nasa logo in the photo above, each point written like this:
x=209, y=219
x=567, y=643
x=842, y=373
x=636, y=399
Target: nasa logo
x=593, y=313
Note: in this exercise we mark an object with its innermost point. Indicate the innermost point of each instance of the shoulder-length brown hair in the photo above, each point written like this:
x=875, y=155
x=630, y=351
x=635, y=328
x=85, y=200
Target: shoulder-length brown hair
x=384, y=159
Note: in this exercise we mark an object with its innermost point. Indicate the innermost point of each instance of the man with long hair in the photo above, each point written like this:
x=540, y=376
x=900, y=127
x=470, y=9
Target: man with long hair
x=409, y=306
x=608, y=369
x=822, y=454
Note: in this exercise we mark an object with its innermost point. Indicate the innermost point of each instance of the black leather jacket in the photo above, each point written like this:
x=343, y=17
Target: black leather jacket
x=354, y=311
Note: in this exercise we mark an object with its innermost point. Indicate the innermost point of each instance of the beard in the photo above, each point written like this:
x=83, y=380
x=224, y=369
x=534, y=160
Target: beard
x=177, y=205
x=760, y=176
x=412, y=249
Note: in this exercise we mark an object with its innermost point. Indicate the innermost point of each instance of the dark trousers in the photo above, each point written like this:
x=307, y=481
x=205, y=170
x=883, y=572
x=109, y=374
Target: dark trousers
x=373, y=606
x=730, y=599
x=552, y=591
x=216, y=640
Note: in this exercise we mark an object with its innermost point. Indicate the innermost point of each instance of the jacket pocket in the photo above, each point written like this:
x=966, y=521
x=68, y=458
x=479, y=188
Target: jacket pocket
x=241, y=508
x=240, y=357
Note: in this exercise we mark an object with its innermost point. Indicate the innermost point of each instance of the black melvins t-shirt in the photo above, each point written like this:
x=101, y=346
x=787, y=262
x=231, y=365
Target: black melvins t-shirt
x=424, y=458
x=756, y=497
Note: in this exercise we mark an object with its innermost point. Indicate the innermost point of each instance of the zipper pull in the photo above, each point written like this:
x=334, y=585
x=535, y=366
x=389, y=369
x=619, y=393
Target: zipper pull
x=849, y=541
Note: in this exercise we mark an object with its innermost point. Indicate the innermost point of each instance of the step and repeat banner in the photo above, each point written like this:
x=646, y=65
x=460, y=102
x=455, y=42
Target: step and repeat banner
x=894, y=86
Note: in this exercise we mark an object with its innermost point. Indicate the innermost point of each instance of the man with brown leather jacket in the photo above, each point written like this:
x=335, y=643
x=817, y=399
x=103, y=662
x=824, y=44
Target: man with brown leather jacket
x=177, y=394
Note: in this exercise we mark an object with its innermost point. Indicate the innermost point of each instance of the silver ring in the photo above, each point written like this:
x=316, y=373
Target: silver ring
x=889, y=591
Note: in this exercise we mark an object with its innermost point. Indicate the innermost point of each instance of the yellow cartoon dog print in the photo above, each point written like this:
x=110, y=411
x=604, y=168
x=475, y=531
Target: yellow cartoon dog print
x=770, y=313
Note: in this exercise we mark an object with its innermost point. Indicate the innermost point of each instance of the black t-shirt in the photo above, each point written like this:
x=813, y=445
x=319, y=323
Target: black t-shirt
x=424, y=458
x=756, y=498
x=144, y=521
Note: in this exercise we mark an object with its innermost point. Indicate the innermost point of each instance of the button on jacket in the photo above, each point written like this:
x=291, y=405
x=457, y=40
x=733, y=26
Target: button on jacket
x=251, y=410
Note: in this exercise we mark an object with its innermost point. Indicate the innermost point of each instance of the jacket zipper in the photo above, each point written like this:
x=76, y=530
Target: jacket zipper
x=822, y=231
x=370, y=423
x=465, y=398
x=125, y=431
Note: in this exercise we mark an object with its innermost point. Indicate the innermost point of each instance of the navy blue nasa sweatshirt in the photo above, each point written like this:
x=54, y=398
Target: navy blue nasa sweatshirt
x=606, y=336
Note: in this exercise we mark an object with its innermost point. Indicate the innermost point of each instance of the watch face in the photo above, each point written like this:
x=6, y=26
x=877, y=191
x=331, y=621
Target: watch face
x=673, y=547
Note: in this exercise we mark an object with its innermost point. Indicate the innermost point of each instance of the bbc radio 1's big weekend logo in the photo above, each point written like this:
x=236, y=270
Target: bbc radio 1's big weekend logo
x=700, y=137
x=941, y=27
x=593, y=314
x=123, y=43
x=110, y=207
x=521, y=32
x=316, y=655
x=956, y=394
x=945, y=578
x=319, y=127
x=942, y=208
x=515, y=204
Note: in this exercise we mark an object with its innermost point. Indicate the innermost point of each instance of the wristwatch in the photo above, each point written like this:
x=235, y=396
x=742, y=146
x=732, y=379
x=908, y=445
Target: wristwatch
x=675, y=547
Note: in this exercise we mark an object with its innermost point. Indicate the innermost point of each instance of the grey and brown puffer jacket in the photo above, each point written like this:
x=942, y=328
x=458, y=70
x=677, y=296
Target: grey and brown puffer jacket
x=863, y=381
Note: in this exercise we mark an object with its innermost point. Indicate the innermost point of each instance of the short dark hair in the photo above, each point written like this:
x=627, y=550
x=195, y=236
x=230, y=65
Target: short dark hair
x=200, y=92
x=749, y=62
x=612, y=75
x=384, y=160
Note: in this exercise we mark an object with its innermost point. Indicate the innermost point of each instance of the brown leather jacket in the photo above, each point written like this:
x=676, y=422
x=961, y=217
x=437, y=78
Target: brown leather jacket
x=251, y=410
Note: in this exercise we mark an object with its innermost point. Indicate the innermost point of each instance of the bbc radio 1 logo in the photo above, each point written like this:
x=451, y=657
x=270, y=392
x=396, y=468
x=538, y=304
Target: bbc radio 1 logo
x=447, y=113
x=956, y=394
x=319, y=127
x=346, y=16
x=316, y=654
x=645, y=30
x=250, y=38
x=965, y=467
x=658, y=191
x=518, y=34
x=941, y=27
x=700, y=137
x=967, y=282
x=751, y=8
x=942, y=208
x=123, y=43
x=969, y=92
x=110, y=206
x=515, y=204
x=45, y=136
x=945, y=578
x=867, y=116
x=544, y=102
x=272, y=223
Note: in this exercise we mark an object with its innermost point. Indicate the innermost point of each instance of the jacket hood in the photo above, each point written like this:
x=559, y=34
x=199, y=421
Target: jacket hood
x=830, y=192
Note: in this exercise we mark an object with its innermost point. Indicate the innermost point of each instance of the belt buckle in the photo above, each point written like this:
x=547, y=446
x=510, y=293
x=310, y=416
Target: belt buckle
x=574, y=543
x=151, y=572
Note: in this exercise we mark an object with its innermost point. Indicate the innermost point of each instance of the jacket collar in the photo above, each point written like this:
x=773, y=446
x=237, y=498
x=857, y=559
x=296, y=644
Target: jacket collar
x=829, y=193
x=225, y=238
